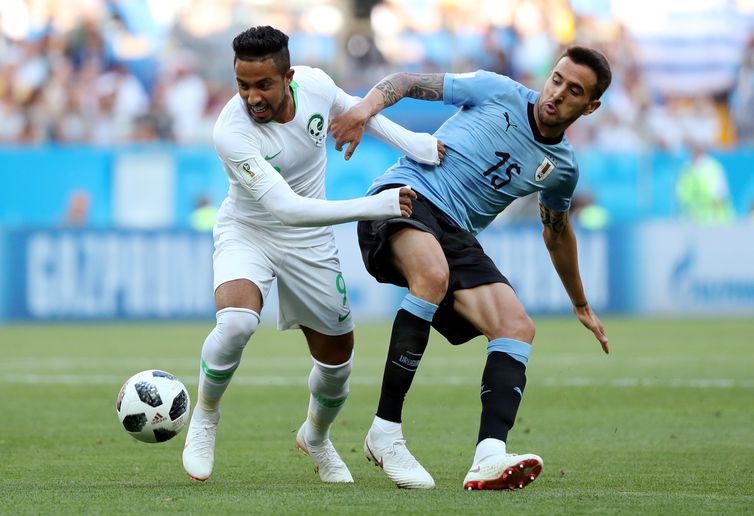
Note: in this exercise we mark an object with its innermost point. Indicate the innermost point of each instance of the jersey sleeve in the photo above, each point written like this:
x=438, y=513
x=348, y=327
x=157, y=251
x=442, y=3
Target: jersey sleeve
x=558, y=198
x=294, y=210
x=421, y=147
x=240, y=153
x=474, y=88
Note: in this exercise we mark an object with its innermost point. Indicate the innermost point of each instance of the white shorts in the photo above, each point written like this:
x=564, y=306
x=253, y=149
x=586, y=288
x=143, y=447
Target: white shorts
x=311, y=288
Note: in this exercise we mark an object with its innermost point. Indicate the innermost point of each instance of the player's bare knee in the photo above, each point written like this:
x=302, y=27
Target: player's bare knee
x=430, y=284
x=519, y=327
x=333, y=356
x=330, y=350
x=523, y=328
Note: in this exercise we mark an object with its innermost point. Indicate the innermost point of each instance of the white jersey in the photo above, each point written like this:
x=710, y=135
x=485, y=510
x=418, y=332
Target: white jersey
x=250, y=151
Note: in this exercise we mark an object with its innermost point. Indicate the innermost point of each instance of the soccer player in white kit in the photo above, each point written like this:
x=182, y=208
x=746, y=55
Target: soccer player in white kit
x=271, y=141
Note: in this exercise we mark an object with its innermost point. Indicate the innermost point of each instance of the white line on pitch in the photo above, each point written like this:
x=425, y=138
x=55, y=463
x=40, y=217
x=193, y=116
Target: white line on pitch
x=278, y=380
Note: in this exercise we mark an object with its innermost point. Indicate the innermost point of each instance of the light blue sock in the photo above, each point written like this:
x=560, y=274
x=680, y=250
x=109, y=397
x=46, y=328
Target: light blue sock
x=517, y=349
x=419, y=307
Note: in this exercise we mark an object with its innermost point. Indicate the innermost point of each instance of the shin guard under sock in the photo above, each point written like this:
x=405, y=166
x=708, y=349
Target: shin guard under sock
x=407, y=344
x=503, y=383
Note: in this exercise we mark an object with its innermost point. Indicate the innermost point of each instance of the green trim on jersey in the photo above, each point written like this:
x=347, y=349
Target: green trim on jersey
x=219, y=376
x=294, y=89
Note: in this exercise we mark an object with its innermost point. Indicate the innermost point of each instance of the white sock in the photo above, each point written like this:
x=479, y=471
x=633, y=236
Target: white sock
x=328, y=385
x=221, y=354
x=487, y=447
x=387, y=427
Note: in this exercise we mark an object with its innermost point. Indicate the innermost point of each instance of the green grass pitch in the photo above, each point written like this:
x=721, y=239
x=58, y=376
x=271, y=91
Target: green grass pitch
x=663, y=425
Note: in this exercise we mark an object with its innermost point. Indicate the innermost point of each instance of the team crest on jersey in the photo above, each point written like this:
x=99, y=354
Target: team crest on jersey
x=545, y=168
x=316, y=129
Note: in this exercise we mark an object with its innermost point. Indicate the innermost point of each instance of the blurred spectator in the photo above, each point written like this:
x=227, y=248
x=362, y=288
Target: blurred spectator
x=85, y=43
x=677, y=120
x=203, y=216
x=77, y=210
x=742, y=102
x=148, y=128
x=611, y=135
x=119, y=99
x=702, y=189
x=586, y=213
x=185, y=97
x=13, y=117
x=72, y=125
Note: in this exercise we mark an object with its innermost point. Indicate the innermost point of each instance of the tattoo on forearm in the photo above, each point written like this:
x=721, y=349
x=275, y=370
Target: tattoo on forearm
x=555, y=220
x=422, y=86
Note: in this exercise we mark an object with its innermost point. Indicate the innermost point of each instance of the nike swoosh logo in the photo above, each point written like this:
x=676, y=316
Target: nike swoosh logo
x=475, y=470
x=268, y=158
x=374, y=458
x=342, y=318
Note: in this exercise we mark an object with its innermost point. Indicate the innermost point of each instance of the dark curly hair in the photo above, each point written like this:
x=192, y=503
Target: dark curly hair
x=592, y=59
x=261, y=43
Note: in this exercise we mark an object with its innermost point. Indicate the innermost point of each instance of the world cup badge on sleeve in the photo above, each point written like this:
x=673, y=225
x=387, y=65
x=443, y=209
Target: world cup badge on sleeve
x=246, y=171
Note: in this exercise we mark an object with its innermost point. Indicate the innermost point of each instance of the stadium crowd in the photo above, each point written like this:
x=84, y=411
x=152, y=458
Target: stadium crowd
x=111, y=72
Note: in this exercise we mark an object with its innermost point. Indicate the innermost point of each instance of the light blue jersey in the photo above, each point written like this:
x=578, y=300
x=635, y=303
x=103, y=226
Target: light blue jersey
x=494, y=154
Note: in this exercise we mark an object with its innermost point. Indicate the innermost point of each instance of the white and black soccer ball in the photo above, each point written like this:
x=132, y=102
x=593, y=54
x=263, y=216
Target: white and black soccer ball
x=153, y=406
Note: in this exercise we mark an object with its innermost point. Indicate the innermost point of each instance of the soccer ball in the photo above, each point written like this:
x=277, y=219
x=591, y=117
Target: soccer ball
x=153, y=406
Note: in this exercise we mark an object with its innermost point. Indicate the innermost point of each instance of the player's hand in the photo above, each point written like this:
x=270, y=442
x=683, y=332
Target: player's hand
x=348, y=128
x=591, y=321
x=440, y=150
x=405, y=197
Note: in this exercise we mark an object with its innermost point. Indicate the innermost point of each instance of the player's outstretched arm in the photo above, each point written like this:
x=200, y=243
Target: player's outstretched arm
x=348, y=128
x=423, y=148
x=294, y=210
x=239, y=152
x=561, y=244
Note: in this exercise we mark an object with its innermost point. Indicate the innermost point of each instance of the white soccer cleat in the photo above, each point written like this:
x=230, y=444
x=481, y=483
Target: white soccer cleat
x=509, y=471
x=199, y=450
x=327, y=462
x=390, y=453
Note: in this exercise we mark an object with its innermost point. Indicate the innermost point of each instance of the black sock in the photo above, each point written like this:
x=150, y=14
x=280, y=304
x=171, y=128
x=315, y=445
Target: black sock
x=407, y=344
x=503, y=383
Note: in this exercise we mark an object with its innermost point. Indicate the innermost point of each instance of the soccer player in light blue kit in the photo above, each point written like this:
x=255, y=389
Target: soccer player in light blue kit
x=505, y=142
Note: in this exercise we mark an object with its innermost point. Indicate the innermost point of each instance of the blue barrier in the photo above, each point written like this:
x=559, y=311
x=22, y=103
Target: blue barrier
x=38, y=181
x=106, y=275
x=89, y=275
x=651, y=269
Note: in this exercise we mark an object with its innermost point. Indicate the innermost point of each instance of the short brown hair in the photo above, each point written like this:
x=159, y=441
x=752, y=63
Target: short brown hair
x=596, y=61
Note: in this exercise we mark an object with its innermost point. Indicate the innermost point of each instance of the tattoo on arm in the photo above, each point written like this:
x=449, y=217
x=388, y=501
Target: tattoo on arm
x=422, y=86
x=555, y=220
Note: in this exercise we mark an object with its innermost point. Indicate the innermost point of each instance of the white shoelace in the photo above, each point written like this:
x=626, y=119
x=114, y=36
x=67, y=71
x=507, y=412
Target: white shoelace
x=203, y=438
x=402, y=456
x=327, y=454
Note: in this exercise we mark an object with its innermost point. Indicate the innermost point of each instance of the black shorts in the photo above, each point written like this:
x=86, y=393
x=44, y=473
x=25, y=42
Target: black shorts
x=468, y=264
